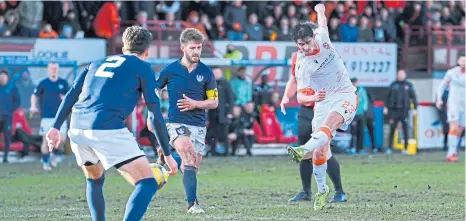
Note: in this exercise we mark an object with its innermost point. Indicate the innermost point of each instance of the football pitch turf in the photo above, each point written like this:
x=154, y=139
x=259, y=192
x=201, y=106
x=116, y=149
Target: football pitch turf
x=396, y=187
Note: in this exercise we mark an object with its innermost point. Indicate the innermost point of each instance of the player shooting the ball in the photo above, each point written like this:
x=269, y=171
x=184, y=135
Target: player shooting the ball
x=102, y=96
x=192, y=89
x=320, y=68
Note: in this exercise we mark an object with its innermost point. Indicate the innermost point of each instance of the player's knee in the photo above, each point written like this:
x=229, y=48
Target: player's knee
x=183, y=145
x=453, y=130
x=319, y=157
x=93, y=173
x=190, y=161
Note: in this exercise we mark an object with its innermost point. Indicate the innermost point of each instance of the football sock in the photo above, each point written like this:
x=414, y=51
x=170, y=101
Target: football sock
x=140, y=199
x=95, y=198
x=190, y=184
x=318, y=139
x=46, y=158
x=305, y=169
x=320, y=176
x=333, y=171
x=452, y=142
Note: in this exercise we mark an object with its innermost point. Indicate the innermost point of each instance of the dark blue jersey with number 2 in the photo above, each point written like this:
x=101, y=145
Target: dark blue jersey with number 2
x=107, y=91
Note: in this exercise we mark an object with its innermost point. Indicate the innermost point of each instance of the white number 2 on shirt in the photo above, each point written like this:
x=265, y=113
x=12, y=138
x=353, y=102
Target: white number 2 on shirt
x=111, y=62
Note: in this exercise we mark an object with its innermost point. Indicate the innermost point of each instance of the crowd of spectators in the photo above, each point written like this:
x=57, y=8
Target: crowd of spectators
x=349, y=21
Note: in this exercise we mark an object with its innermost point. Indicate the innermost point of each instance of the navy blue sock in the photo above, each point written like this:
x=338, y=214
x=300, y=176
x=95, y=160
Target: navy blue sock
x=190, y=183
x=95, y=198
x=140, y=199
x=45, y=158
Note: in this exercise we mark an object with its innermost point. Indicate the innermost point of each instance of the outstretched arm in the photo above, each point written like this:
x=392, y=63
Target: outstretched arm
x=290, y=88
x=321, y=19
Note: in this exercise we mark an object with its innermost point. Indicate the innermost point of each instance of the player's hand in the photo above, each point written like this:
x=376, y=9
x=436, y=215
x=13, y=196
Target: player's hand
x=320, y=8
x=385, y=111
x=439, y=104
x=186, y=104
x=285, y=100
x=319, y=96
x=53, y=138
x=414, y=112
x=172, y=165
x=160, y=151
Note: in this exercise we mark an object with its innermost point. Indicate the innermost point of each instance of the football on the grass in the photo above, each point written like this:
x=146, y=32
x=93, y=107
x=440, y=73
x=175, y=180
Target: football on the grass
x=160, y=174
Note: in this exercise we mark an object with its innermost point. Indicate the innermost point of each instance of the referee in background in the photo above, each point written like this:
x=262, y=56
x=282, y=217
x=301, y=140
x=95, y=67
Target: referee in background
x=397, y=105
x=9, y=102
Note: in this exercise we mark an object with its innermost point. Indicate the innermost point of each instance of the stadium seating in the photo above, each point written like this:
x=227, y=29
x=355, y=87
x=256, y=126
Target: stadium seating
x=260, y=136
x=18, y=119
x=272, y=127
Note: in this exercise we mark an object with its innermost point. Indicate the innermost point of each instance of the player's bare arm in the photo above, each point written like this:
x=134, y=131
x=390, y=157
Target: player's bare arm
x=305, y=98
x=440, y=90
x=321, y=19
x=290, y=90
x=187, y=104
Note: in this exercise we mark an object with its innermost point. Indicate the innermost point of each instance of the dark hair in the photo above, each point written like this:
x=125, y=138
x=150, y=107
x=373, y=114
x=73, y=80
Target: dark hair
x=302, y=31
x=353, y=80
x=136, y=39
x=3, y=72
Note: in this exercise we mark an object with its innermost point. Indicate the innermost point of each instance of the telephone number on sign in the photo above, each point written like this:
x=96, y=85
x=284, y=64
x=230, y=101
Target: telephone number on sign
x=368, y=66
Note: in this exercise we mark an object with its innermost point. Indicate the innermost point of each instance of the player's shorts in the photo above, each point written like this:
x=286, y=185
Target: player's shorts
x=46, y=124
x=456, y=114
x=197, y=135
x=107, y=146
x=344, y=104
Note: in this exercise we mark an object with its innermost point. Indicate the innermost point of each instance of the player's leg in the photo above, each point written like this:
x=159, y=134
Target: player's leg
x=137, y=172
x=95, y=179
x=120, y=149
x=198, y=137
x=182, y=138
x=333, y=171
x=460, y=139
x=319, y=160
x=454, y=118
x=333, y=121
x=453, y=134
x=305, y=166
x=94, y=172
x=185, y=149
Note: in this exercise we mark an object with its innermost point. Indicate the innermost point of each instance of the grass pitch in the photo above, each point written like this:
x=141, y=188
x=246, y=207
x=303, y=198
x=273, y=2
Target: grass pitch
x=396, y=187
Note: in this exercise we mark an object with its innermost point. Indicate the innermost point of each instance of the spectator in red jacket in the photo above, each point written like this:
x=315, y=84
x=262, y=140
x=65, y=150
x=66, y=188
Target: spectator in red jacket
x=107, y=21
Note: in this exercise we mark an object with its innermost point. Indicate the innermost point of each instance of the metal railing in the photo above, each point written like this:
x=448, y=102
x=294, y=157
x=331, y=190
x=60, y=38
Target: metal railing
x=164, y=46
x=428, y=48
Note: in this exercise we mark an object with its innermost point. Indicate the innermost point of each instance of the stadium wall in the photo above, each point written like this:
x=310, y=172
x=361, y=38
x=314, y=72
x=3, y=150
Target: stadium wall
x=374, y=64
x=17, y=51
